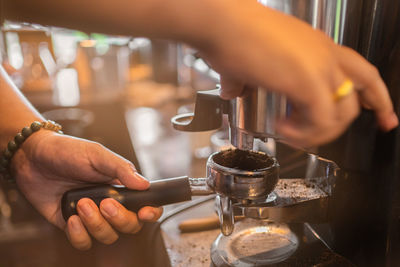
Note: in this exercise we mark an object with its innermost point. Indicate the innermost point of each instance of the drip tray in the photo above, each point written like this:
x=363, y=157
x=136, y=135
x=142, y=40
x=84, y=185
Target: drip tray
x=294, y=244
x=254, y=243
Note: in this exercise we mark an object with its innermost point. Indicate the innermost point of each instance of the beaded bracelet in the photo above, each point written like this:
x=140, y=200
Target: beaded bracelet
x=13, y=145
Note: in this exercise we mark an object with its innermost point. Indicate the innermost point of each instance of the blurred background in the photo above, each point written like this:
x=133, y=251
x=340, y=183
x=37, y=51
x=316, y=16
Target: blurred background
x=118, y=91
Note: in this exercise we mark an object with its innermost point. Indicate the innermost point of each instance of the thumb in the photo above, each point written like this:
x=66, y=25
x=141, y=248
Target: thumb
x=230, y=88
x=114, y=166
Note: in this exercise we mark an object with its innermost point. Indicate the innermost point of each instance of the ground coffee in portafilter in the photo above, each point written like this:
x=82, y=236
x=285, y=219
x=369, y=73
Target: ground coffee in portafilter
x=243, y=160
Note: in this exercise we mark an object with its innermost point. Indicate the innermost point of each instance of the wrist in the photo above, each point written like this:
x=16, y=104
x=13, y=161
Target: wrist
x=33, y=144
x=25, y=143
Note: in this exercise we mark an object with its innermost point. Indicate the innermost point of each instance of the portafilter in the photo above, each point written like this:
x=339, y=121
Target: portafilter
x=243, y=176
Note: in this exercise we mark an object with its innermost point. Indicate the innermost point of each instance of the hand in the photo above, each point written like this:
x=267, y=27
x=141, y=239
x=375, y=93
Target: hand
x=277, y=52
x=49, y=164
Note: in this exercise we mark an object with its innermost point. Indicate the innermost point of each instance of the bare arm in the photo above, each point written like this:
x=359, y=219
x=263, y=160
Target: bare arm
x=185, y=20
x=247, y=44
x=16, y=111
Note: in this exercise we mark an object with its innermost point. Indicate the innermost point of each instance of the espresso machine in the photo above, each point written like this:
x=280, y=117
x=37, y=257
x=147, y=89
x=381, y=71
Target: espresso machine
x=350, y=193
x=363, y=225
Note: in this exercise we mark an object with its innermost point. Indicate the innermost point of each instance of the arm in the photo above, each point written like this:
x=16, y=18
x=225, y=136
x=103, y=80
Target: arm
x=246, y=43
x=173, y=19
x=48, y=164
x=12, y=102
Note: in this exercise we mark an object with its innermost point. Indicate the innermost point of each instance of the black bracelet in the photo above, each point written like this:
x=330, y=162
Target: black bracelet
x=19, y=138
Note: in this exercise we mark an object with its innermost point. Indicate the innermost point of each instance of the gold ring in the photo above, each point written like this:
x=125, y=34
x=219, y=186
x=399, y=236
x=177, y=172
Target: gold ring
x=344, y=89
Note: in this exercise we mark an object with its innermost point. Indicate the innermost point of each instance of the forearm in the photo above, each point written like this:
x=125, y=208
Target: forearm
x=15, y=110
x=173, y=19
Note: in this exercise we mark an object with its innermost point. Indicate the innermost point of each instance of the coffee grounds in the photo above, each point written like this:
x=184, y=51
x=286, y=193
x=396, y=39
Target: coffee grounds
x=243, y=160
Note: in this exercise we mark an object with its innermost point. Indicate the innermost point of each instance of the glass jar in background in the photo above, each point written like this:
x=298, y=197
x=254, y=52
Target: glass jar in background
x=30, y=53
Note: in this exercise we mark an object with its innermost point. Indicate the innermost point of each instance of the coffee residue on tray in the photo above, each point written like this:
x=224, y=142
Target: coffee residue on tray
x=243, y=159
x=295, y=190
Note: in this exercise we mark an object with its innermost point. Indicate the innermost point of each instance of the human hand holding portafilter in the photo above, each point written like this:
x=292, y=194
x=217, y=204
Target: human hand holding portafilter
x=231, y=174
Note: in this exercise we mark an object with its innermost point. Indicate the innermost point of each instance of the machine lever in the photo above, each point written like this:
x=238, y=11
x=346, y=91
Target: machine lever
x=207, y=115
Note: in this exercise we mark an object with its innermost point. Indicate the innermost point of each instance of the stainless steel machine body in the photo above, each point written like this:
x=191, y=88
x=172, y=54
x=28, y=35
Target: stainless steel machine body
x=254, y=115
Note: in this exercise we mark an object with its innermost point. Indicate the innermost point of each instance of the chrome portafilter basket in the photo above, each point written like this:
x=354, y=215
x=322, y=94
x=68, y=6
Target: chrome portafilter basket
x=240, y=176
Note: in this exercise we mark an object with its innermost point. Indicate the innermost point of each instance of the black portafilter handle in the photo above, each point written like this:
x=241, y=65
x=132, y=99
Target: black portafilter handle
x=160, y=192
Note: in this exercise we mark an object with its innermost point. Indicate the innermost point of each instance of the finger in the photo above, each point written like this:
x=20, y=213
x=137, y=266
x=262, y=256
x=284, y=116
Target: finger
x=316, y=132
x=115, y=166
x=373, y=98
x=304, y=137
x=150, y=214
x=324, y=119
x=77, y=234
x=310, y=136
x=230, y=88
x=115, y=182
x=347, y=105
x=94, y=222
x=120, y=218
x=347, y=109
x=374, y=94
x=306, y=124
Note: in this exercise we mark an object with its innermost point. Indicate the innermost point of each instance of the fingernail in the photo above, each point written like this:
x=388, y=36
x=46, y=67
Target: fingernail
x=86, y=209
x=389, y=122
x=110, y=209
x=75, y=225
x=394, y=120
x=224, y=95
x=138, y=175
x=148, y=216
